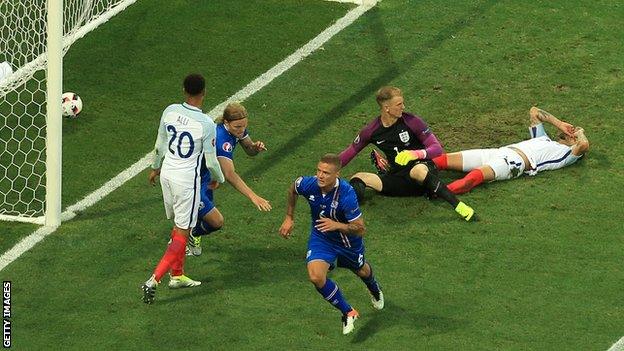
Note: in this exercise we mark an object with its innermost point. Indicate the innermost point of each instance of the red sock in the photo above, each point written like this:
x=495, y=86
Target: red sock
x=177, y=267
x=174, y=250
x=441, y=161
x=464, y=185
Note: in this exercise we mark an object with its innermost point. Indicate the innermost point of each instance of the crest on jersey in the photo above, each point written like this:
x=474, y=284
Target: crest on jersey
x=357, y=139
x=227, y=147
x=404, y=136
x=311, y=198
x=334, y=204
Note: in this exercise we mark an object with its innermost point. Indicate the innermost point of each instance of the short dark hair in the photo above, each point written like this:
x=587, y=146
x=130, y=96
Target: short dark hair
x=332, y=159
x=194, y=84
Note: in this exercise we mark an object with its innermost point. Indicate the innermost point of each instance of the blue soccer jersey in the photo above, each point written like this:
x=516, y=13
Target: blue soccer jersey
x=340, y=205
x=225, y=145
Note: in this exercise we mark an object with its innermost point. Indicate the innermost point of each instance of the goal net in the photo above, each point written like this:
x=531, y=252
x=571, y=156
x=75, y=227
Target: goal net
x=25, y=78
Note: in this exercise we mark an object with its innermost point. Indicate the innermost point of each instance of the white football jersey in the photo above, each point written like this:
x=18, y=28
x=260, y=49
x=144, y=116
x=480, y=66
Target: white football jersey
x=544, y=153
x=184, y=135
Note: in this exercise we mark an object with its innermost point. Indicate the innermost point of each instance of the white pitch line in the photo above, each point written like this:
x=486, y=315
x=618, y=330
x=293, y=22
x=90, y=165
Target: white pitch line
x=618, y=346
x=28, y=242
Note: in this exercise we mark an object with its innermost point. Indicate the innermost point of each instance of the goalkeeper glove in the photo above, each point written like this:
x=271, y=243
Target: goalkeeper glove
x=405, y=156
x=379, y=162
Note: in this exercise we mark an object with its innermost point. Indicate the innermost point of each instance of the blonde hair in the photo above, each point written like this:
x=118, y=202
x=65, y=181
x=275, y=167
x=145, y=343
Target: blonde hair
x=232, y=112
x=386, y=93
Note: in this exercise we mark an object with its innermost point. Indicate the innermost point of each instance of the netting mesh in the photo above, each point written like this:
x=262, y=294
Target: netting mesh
x=23, y=95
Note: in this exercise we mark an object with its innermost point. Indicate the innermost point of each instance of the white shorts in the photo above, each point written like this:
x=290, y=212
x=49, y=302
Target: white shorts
x=181, y=203
x=505, y=162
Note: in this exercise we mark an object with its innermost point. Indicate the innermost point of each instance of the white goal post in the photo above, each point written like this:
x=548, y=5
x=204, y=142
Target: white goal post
x=34, y=36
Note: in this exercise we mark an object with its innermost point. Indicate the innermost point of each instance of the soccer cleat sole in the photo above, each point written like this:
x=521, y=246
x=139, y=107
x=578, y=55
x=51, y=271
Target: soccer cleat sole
x=149, y=293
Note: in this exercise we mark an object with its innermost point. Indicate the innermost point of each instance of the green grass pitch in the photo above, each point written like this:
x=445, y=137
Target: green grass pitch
x=542, y=270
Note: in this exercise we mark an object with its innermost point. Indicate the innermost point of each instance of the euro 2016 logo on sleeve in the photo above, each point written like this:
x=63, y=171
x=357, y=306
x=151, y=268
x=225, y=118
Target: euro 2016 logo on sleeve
x=227, y=147
x=6, y=314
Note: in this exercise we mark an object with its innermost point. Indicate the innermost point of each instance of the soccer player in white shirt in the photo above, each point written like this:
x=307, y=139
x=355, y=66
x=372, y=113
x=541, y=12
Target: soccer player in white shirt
x=185, y=134
x=540, y=153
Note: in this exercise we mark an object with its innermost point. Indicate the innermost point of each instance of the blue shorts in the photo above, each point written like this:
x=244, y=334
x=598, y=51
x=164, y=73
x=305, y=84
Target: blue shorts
x=335, y=254
x=205, y=203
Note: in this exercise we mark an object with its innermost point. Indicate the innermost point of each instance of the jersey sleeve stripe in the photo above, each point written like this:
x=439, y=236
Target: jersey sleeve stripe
x=193, y=212
x=358, y=216
x=555, y=160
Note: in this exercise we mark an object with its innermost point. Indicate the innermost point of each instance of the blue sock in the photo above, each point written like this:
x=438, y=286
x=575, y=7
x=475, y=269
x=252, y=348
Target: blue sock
x=371, y=283
x=203, y=228
x=332, y=294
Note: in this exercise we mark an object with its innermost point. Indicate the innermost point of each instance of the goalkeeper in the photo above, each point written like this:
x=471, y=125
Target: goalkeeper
x=409, y=145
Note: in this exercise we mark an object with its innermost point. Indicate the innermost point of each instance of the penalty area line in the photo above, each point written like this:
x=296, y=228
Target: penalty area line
x=263, y=80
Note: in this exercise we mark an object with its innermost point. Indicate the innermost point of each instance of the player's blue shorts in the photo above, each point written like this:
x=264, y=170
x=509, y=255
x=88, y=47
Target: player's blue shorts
x=335, y=254
x=205, y=204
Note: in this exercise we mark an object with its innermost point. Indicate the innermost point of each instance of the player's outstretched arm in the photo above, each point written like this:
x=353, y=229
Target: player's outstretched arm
x=537, y=116
x=252, y=148
x=582, y=144
x=289, y=222
x=229, y=171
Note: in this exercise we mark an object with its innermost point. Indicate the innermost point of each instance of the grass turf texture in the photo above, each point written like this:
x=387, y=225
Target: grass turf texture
x=539, y=271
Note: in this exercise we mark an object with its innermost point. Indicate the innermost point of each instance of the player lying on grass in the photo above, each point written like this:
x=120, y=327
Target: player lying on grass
x=231, y=130
x=540, y=153
x=336, y=235
x=409, y=144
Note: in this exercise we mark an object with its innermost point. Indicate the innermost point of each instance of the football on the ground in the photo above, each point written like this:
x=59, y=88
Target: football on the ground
x=72, y=104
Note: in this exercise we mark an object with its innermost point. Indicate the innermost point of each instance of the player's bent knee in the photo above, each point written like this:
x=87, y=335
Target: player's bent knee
x=419, y=172
x=317, y=279
x=214, y=219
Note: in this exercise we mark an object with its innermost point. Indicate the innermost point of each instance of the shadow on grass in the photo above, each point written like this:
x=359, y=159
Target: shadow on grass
x=393, y=315
x=393, y=71
x=240, y=267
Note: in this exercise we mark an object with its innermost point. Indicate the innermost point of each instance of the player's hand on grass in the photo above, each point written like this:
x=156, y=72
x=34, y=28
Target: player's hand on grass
x=327, y=225
x=153, y=175
x=213, y=185
x=286, y=227
x=261, y=204
x=405, y=156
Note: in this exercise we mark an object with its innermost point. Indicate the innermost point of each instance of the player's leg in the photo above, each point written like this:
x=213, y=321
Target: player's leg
x=317, y=273
x=320, y=253
x=210, y=220
x=353, y=258
x=361, y=180
x=366, y=275
x=471, y=180
x=488, y=165
x=425, y=174
x=452, y=161
x=186, y=216
x=178, y=201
